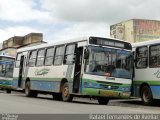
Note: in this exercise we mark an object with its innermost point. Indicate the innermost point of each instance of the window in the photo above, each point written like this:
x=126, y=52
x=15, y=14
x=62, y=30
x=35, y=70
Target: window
x=69, y=54
x=49, y=56
x=18, y=58
x=154, y=56
x=142, y=57
x=6, y=69
x=111, y=61
x=59, y=55
x=32, y=58
x=40, y=57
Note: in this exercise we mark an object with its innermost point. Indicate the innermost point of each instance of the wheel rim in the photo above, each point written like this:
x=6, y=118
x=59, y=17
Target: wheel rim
x=146, y=95
x=27, y=89
x=66, y=91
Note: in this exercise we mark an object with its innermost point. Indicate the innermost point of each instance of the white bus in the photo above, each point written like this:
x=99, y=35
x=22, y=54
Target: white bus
x=146, y=83
x=6, y=72
x=76, y=67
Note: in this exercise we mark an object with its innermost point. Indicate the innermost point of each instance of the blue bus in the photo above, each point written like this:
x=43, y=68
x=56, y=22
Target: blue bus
x=6, y=72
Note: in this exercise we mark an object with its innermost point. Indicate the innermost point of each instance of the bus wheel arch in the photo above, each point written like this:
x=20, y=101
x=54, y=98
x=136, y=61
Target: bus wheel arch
x=66, y=96
x=146, y=94
x=63, y=81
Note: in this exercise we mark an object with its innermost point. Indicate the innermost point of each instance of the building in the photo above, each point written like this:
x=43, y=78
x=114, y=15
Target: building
x=136, y=30
x=10, y=46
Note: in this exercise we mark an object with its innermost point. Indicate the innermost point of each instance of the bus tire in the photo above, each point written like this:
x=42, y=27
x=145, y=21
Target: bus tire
x=8, y=91
x=103, y=100
x=66, y=96
x=28, y=91
x=146, y=95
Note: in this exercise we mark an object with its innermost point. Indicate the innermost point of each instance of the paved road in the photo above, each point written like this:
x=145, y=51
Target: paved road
x=18, y=103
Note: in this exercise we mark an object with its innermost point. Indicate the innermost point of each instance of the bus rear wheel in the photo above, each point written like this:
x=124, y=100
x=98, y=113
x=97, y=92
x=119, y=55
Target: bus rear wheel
x=28, y=91
x=146, y=96
x=66, y=96
x=103, y=100
x=8, y=91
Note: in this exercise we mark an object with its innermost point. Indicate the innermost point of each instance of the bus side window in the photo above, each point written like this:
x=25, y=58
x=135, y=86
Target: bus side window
x=58, y=59
x=154, y=56
x=32, y=58
x=18, y=59
x=142, y=57
x=40, y=57
x=49, y=56
x=69, y=57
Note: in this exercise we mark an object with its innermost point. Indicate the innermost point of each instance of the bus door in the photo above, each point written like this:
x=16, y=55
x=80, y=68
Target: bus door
x=77, y=70
x=22, y=71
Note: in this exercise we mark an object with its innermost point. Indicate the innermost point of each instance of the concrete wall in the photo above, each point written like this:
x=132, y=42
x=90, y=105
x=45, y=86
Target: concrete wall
x=136, y=30
x=11, y=45
x=146, y=30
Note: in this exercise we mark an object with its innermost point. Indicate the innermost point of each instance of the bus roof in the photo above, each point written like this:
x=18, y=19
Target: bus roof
x=7, y=56
x=52, y=44
x=80, y=39
x=149, y=42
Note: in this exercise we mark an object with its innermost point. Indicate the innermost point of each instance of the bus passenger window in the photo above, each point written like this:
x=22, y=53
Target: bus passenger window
x=69, y=54
x=154, y=56
x=49, y=56
x=142, y=57
x=32, y=58
x=18, y=59
x=58, y=59
x=40, y=57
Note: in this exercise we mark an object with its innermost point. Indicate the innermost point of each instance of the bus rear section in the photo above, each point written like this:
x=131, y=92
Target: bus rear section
x=79, y=67
x=146, y=82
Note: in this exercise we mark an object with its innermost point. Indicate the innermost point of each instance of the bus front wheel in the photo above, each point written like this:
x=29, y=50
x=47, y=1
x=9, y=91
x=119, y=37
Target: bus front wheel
x=28, y=91
x=66, y=96
x=146, y=95
x=103, y=100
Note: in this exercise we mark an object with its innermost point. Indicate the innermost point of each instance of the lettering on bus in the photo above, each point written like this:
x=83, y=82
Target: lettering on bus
x=43, y=71
x=157, y=73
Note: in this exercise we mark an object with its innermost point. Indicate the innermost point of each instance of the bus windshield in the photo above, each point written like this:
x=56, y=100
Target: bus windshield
x=103, y=60
x=6, y=69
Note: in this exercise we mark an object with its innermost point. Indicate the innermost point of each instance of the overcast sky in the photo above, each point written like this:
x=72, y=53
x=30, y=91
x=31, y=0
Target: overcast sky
x=60, y=19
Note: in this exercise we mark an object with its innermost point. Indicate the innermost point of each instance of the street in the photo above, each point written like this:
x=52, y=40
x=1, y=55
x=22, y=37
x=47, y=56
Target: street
x=17, y=103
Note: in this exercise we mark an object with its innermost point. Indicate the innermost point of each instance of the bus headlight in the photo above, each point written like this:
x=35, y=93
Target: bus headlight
x=125, y=89
x=90, y=85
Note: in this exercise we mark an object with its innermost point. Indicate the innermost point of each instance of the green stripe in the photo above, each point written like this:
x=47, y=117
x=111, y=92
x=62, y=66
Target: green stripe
x=43, y=79
x=106, y=93
x=107, y=83
x=150, y=82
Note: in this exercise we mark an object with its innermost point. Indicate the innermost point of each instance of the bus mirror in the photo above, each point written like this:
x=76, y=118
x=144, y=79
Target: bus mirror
x=86, y=54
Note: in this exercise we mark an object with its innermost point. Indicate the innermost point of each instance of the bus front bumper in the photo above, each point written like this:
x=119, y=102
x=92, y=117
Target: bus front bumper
x=106, y=93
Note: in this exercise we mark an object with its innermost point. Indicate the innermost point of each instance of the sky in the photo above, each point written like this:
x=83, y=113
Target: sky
x=64, y=19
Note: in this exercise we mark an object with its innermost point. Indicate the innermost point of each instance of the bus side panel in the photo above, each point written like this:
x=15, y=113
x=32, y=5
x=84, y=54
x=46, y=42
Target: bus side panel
x=48, y=78
x=149, y=76
x=15, y=78
x=155, y=92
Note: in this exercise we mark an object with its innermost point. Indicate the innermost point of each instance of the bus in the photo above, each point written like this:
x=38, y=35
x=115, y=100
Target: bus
x=76, y=67
x=6, y=72
x=146, y=82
